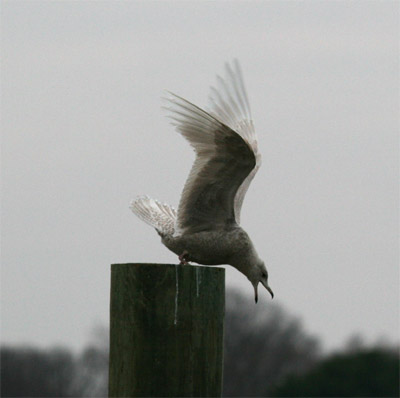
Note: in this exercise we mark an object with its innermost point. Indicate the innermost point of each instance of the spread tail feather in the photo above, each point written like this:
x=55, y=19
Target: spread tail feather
x=160, y=216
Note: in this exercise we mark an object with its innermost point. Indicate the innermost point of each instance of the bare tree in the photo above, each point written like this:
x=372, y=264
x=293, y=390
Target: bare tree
x=263, y=343
x=91, y=367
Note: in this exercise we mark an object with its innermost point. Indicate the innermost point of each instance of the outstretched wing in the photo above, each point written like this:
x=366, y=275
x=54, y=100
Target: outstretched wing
x=230, y=105
x=223, y=160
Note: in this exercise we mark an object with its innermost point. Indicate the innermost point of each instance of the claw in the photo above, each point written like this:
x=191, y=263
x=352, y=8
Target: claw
x=183, y=258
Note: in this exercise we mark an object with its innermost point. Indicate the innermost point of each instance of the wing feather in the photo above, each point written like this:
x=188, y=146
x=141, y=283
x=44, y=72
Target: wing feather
x=230, y=105
x=227, y=156
x=223, y=161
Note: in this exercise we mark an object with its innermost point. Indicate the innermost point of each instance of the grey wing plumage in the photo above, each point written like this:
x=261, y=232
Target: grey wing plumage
x=230, y=105
x=226, y=156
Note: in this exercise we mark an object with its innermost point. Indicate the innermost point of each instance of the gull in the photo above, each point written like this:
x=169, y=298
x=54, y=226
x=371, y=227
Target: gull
x=206, y=227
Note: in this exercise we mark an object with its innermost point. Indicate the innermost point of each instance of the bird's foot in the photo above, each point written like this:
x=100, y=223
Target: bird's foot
x=183, y=258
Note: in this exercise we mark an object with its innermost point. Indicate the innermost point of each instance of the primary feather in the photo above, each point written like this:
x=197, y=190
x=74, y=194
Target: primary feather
x=230, y=105
x=223, y=161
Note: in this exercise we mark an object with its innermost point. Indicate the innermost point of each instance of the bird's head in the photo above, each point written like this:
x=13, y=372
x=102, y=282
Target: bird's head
x=258, y=274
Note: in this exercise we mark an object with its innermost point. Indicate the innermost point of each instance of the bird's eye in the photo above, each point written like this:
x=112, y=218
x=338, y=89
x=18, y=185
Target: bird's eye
x=264, y=275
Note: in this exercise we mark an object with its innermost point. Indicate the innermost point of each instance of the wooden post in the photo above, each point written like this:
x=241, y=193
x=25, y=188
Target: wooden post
x=166, y=330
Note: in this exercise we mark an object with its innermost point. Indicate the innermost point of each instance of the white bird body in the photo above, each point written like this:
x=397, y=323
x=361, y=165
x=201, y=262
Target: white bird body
x=206, y=229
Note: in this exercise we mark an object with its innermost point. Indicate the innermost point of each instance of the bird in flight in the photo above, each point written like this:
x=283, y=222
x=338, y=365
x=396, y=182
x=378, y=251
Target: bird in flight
x=206, y=227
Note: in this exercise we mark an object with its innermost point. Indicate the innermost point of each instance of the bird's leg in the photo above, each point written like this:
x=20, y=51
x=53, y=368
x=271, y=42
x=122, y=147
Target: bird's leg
x=183, y=258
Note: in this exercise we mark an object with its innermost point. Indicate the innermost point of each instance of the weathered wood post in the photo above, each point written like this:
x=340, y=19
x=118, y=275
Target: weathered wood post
x=166, y=330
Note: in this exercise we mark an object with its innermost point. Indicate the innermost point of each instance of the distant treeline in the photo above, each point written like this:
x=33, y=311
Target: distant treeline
x=267, y=353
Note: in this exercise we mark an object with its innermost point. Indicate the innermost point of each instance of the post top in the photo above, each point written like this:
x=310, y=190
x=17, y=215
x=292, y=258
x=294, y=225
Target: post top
x=183, y=266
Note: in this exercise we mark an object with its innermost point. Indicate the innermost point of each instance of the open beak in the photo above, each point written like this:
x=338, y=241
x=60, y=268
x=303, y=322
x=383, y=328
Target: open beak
x=268, y=288
x=256, y=292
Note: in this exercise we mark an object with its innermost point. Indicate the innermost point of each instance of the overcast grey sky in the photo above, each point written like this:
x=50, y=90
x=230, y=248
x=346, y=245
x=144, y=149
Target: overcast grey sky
x=83, y=133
